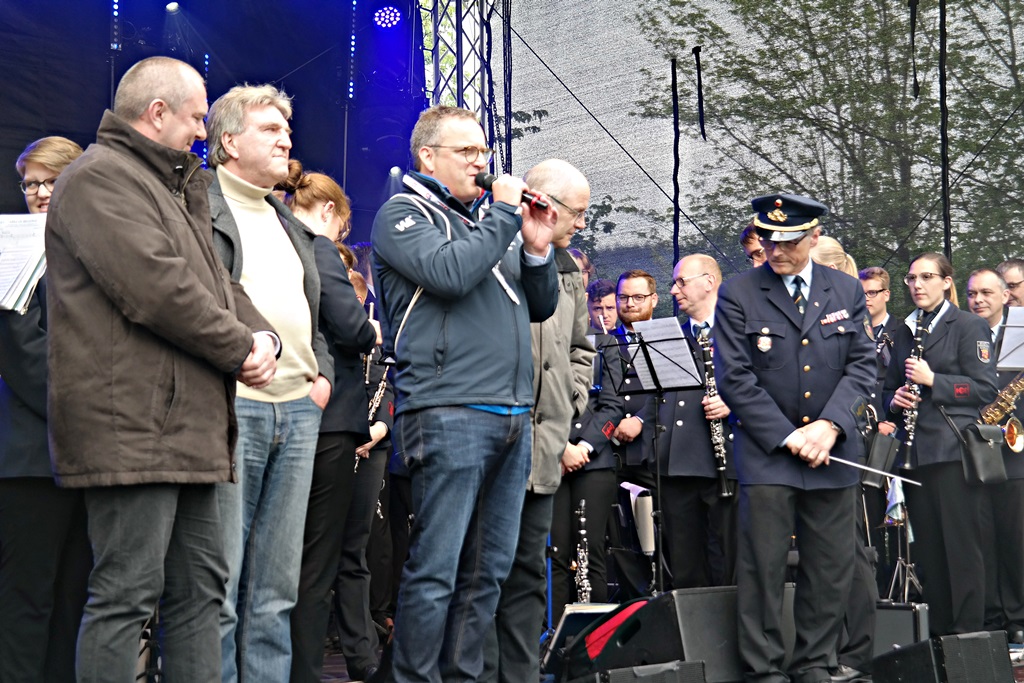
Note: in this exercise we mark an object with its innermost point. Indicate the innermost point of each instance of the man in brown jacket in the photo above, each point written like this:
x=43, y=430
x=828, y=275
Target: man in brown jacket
x=147, y=336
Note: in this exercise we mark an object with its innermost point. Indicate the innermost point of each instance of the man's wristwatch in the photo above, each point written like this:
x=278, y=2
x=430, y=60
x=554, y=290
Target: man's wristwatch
x=836, y=427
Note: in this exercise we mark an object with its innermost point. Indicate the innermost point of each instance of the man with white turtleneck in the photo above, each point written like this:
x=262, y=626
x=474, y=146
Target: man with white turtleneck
x=263, y=517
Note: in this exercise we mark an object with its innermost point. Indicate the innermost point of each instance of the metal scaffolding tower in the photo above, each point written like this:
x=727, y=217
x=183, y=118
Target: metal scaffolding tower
x=454, y=53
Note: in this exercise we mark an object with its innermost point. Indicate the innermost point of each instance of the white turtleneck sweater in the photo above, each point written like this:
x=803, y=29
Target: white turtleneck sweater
x=272, y=276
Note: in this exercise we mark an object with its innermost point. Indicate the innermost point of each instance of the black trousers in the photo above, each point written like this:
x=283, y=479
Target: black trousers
x=945, y=515
x=326, y=518
x=856, y=648
x=379, y=557
x=352, y=589
x=699, y=532
x=400, y=515
x=44, y=570
x=512, y=646
x=599, y=488
x=823, y=522
x=1003, y=529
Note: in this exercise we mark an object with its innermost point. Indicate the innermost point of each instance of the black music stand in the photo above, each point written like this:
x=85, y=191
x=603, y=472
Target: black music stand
x=660, y=360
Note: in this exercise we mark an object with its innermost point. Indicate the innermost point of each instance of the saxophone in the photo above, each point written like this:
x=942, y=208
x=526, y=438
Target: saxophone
x=910, y=414
x=582, y=564
x=725, y=489
x=1005, y=403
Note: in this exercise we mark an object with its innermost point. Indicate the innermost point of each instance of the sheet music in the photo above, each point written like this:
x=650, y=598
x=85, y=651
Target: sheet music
x=22, y=262
x=1011, y=354
x=670, y=355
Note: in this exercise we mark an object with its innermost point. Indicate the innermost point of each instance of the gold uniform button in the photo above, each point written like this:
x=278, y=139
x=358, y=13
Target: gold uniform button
x=841, y=329
x=805, y=342
x=807, y=368
x=807, y=394
x=806, y=419
x=764, y=330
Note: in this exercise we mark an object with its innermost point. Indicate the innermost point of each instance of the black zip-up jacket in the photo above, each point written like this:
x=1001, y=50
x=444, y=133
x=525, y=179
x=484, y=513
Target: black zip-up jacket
x=466, y=342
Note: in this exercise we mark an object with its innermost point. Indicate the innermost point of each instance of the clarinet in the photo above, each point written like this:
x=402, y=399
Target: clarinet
x=910, y=414
x=582, y=556
x=717, y=426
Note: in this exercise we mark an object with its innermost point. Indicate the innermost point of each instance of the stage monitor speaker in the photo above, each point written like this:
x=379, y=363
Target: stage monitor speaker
x=898, y=624
x=981, y=657
x=695, y=624
x=673, y=672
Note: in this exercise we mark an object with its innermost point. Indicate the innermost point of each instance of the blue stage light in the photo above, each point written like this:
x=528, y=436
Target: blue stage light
x=387, y=17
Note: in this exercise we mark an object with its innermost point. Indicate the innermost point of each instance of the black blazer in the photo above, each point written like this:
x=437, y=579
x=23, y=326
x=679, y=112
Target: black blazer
x=960, y=352
x=639, y=450
x=604, y=406
x=684, y=447
x=349, y=334
x=24, y=451
x=883, y=358
x=777, y=371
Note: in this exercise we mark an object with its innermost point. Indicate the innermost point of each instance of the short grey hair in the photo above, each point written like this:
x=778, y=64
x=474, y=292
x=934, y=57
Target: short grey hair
x=154, y=78
x=227, y=114
x=427, y=131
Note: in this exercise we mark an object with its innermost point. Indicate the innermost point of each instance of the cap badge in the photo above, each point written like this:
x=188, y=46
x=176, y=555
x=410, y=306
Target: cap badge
x=777, y=216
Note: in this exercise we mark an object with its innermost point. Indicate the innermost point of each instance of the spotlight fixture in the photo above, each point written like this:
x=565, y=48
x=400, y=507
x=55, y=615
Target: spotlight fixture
x=387, y=17
x=172, y=8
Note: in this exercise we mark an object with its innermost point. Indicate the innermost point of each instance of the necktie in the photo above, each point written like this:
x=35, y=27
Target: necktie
x=798, y=294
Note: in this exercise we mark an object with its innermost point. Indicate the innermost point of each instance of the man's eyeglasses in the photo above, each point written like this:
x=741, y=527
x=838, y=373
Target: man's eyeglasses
x=31, y=187
x=681, y=281
x=756, y=255
x=637, y=298
x=872, y=293
x=924, y=277
x=1012, y=286
x=575, y=213
x=470, y=152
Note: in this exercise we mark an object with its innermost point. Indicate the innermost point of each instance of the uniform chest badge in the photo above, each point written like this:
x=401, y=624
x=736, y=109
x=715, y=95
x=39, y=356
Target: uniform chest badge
x=984, y=351
x=764, y=344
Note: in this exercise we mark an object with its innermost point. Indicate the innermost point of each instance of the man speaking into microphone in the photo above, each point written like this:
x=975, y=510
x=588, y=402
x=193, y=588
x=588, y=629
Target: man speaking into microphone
x=459, y=290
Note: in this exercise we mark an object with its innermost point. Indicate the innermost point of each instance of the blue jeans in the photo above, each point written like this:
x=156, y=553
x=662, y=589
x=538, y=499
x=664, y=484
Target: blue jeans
x=152, y=542
x=263, y=520
x=469, y=470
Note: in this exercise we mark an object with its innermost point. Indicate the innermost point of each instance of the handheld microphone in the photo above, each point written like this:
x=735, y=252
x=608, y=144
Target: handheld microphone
x=485, y=180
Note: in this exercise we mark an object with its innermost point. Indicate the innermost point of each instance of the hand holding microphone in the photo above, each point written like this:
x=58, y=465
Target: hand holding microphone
x=486, y=181
x=539, y=217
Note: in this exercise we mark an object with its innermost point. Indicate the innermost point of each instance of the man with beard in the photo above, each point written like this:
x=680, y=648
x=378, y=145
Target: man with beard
x=636, y=296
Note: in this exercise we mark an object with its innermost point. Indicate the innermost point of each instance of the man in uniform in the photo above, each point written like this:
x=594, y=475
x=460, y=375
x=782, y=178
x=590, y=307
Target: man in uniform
x=694, y=509
x=988, y=297
x=794, y=364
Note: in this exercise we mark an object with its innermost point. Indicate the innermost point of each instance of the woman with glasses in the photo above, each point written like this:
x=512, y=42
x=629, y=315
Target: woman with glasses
x=957, y=372
x=44, y=550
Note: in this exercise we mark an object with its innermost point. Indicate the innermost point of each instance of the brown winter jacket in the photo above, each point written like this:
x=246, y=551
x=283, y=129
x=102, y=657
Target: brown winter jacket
x=146, y=329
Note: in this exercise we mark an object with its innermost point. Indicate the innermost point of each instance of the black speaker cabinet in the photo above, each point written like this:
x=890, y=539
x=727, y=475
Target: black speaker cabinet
x=898, y=624
x=696, y=624
x=981, y=657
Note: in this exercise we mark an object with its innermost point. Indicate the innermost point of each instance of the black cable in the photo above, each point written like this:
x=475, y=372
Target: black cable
x=617, y=143
x=675, y=165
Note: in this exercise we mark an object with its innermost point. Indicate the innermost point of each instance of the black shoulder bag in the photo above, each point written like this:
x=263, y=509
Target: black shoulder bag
x=981, y=449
